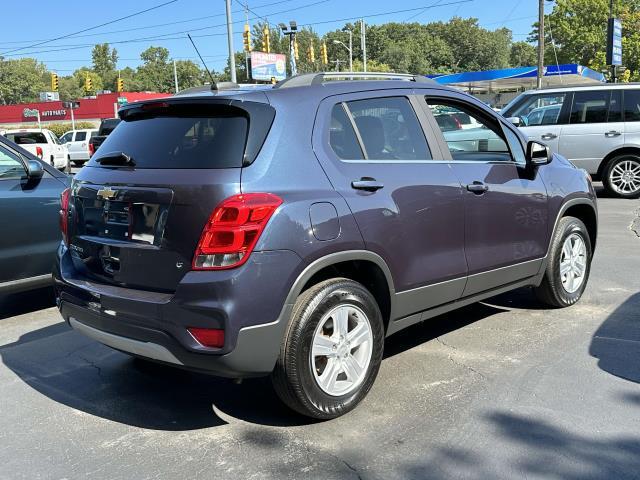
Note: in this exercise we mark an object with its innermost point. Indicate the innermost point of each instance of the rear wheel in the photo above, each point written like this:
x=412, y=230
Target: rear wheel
x=622, y=176
x=569, y=264
x=331, y=354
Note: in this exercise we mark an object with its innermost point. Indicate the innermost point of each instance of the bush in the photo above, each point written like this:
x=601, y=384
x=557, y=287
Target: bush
x=61, y=128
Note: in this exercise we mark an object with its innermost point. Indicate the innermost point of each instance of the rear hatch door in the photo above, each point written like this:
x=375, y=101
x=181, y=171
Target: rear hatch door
x=139, y=207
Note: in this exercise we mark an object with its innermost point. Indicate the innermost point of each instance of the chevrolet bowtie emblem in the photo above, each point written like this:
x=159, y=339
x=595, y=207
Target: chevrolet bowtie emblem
x=107, y=193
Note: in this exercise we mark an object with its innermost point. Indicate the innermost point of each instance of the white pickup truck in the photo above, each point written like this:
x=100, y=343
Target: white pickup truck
x=42, y=143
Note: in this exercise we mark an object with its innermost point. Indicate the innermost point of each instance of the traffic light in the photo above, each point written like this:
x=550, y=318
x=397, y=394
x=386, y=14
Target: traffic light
x=120, y=85
x=312, y=52
x=323, y=51
x=88, y=84
x=246, y=38
x=295, y=47
x=54, y=82
x=266, y=46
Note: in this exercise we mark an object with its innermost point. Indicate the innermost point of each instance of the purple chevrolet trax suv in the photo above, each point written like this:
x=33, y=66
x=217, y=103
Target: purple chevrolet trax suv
x=287, y=230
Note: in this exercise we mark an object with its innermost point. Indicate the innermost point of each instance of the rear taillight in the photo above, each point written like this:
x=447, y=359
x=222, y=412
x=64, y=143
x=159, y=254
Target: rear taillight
x=233, y=230
x=208, y=337
x=39, y=153
x=64, y=215
x=92, y=149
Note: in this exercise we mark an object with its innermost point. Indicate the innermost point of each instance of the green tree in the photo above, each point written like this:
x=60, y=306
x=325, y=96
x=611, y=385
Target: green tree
x=70, y=88
x=523, y=54
x=579, y=29
x=189, y=74
x=96, y=80
x=104, y=59
x=22, y=80
x=156, y=72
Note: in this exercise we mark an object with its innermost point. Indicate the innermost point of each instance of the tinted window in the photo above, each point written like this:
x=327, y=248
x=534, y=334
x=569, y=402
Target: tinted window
x=389, y=129
x=538, y=109
x=10, y=165
x=484, y=141
x=180, y=142
x=615, y=106
x=632, y=105
x=342, y=137
x=66, y=137
x=27, y=138
x=590, y=106
x=81, y=136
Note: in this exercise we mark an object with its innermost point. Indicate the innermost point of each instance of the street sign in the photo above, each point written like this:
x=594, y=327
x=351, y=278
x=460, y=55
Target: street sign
x=122, y=100
x=614, y=42
x=265, y=66
x=71, y=105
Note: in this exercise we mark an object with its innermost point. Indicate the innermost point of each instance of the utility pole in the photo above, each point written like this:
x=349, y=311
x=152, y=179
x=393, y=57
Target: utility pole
x=363, y=44
x=613, y=67
x=232, y=59
x=175, y=76
x=540, y=43
x=350, y=51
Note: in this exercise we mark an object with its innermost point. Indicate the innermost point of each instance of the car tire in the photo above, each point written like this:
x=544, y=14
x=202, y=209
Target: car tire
x=318, y=385
x=52, y=161
x=78, y=163
x=569, y=254
x=621, y=176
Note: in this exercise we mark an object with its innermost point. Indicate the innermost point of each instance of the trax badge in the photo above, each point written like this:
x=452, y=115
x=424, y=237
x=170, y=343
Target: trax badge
x=107, y=193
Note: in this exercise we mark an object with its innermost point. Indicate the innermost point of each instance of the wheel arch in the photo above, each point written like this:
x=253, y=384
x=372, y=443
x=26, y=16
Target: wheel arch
x=362, y=266
x=585, y=210
x=625, y=150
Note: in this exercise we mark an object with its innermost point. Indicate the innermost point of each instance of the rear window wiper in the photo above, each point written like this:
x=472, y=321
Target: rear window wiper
x=115, y=158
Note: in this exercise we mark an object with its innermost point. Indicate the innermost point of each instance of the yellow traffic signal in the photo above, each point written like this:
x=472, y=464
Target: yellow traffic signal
x=323, y=51
x=266, y=45
x=246, y=38
x=312, y=52
x=88, y=84
x=295, y=47
x=54, y=82
x=120, y=85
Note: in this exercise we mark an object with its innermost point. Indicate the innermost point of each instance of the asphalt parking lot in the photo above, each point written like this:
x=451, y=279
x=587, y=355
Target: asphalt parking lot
x=500, y=389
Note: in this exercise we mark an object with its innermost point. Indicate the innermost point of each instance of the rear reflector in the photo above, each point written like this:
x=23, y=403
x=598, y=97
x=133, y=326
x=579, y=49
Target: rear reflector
x=208, y=337
x=233, y=229
x=64, y=215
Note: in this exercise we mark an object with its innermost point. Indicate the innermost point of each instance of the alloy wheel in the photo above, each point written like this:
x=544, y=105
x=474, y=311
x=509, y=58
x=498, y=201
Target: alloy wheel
x=625, y=177
x=573, y=263
x=341, y=350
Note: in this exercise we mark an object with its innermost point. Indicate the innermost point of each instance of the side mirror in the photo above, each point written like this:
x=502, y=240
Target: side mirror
x=518, y=121
x=34, y=170
x=538, y=153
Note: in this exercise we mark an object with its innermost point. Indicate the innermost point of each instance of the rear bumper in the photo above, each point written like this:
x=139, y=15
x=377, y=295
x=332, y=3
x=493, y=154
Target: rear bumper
x=249, y=303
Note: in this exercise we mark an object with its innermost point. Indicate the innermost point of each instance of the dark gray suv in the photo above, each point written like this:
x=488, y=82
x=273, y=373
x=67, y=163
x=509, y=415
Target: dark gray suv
x=287, y=231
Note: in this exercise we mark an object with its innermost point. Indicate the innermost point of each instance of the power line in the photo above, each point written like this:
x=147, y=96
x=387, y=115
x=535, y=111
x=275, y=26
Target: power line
x=91, y=28
x=422, y=11
x=157, y=25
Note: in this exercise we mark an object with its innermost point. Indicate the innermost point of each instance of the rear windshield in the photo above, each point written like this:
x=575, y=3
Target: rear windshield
x=27, y=138
x=179, y=141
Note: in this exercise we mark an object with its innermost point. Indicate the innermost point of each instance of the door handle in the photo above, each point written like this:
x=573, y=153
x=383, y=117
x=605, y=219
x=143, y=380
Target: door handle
x=548, y=136
x=477, y=187
x=612, y=133
x=367, y=184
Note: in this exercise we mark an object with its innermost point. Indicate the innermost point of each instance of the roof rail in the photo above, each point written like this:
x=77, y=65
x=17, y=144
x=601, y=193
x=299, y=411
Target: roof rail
x=209, y=87
x=307, y=79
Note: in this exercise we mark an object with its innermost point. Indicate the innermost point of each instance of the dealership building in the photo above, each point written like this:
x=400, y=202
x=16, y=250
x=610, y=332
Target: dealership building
x=89, y=109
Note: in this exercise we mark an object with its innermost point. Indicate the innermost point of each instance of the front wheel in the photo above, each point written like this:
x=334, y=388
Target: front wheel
x=332, y=351
x=568, y=264
x=622, y=176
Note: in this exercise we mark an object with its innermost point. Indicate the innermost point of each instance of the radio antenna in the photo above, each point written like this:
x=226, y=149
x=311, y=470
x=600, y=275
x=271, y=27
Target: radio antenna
x=213, y=82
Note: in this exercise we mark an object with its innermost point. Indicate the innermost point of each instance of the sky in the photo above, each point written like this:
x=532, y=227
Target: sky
x=34, y=34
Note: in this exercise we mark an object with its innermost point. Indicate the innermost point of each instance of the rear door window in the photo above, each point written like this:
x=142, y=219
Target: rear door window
x=180, y=141
x=632, y=105
x=81, y=136
x=541, y=109
x=342, y=137
x=389, y=129
x=590, y=106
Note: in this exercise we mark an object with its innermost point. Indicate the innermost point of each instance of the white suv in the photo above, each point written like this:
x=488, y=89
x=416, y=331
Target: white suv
x=77, y=142
x=596, y=127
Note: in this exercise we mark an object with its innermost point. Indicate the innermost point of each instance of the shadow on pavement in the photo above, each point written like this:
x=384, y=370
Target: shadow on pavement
x=26, y=302
x=616, y=343
x=80, y=373
x=527, y=447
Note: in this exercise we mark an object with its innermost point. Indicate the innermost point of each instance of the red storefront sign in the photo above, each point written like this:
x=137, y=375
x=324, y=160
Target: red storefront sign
x=98, y=107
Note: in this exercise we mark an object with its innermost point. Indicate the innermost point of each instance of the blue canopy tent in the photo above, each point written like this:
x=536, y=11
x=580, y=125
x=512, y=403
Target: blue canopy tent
x=521, y=78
